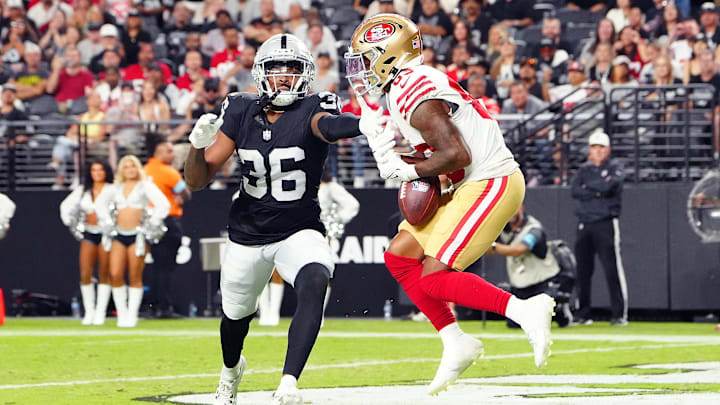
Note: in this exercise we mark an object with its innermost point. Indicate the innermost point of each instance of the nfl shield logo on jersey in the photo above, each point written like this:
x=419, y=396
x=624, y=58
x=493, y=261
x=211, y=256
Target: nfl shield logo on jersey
x=267, y=134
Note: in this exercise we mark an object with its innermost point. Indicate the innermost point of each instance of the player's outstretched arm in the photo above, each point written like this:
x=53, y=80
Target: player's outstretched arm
x=208, y=152
x=450, y=153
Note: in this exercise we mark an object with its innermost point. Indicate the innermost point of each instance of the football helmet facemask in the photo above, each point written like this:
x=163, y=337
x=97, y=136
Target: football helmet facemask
x=283, y=56
x=380, y=47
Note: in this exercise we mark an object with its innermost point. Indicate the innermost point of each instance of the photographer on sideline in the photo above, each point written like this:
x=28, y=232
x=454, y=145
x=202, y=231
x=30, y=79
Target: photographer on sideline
x=536, y=265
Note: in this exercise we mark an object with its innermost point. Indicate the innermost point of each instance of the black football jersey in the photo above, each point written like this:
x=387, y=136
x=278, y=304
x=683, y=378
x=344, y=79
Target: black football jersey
x=281, y=165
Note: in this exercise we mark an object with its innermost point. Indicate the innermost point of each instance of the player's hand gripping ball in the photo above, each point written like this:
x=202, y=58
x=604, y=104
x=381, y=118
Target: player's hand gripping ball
x=419, y=199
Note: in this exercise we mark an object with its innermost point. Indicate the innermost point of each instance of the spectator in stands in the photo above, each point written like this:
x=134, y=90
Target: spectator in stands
x=621, y=77
x=528, y=75
x=15, y=11
x=69, y=80
x=13, y=45
x=593, y=6
x=111, y=59
x=263, y=27
x=478, y=22
x=496, y=36
x=193, y=71
x=109, y=89
x=8, y=112
x=168, y=92
x=63, y=151
x=460, y=36
x=692, y=66
x=85, y=14
x=295, y=16
x=42, y=12
x=91, y=45
x=153, y=108
x=670, y=22
x=433, y=23
x=134, y=36
x=600, y=68
x=223, y=61
x=552, y=29
x=709, y=22
x=477, y=87
x=572, y=92
x=124, y=135
x=138, y=72
x=192, y=43
x=513, y=13
x=654, y=50
x=239, y=78
x=521, y=101
x=54, y=37
x=708, y=75
x=429, y=59
x=177, y=30
x=553, y=59
x=31, y=81
x=504, y=70
x=327, y=78
x=109, y=38
x=604, y=33
x=457, y=70
x=620, y=16
x=635, y=21
x=630, y=44
x=663, y=76
x=316, y=42
x=214, y=41
x=151, y=12
x=654, y=14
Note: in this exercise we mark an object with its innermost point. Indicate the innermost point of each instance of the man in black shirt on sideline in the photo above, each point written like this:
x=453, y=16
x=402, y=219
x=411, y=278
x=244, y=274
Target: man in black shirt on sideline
x=597, y=187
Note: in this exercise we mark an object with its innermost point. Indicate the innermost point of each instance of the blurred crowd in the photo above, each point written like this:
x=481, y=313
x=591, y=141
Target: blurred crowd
x=159, y=60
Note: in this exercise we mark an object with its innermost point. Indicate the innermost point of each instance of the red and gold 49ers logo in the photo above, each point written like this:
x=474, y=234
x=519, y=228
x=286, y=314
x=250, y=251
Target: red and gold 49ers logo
x=378, y=32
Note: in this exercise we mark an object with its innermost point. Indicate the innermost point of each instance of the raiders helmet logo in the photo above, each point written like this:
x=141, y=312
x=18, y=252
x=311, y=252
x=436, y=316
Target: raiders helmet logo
x=378, y=32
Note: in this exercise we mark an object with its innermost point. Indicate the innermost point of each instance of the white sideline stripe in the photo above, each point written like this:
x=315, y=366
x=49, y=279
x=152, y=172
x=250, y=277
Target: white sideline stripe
x=712, y=340
x=332, y=366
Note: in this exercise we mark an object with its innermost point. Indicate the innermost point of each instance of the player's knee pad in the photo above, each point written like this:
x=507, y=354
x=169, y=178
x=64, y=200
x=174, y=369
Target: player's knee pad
x=312, y=280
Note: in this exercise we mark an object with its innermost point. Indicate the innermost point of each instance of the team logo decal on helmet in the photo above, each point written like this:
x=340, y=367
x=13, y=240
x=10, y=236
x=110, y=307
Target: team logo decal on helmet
x=378, y=32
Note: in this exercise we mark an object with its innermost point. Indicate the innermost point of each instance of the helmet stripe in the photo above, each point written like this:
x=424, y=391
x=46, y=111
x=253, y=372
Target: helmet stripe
x=283, y=42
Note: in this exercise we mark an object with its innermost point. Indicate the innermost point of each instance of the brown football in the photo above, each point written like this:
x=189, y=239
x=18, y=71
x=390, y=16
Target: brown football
x=419, y=199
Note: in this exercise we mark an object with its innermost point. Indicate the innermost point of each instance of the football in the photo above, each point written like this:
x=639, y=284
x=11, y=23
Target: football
x=419, y=199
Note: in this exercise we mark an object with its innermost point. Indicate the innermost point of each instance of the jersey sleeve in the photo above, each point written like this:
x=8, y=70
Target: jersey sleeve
x=231, y=115
x=327, y=102
x=421, y=84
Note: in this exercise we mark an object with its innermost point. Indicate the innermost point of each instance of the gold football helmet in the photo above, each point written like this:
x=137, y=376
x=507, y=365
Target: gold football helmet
x=381, y=47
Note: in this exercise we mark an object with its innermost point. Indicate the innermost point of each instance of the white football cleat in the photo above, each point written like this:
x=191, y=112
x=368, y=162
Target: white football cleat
x=536, y=324
x=226, y=393
x=456, y=359
x=287, y=395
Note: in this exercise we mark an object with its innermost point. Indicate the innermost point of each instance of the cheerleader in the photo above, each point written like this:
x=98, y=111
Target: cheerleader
x=7, y=210
x=133, y=223
x=78, y=212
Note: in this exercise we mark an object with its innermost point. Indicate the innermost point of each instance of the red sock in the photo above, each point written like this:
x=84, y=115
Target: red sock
x=407, y=272
x=466, y=289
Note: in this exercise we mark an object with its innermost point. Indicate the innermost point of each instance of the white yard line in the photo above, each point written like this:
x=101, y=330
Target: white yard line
x=334, y=366
x=368, y=335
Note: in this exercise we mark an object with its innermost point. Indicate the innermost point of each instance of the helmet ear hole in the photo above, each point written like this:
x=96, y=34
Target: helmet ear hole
x=389, y=60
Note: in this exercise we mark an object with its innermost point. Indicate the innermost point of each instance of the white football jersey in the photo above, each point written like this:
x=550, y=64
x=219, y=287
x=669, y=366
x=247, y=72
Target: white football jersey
x=490, y=156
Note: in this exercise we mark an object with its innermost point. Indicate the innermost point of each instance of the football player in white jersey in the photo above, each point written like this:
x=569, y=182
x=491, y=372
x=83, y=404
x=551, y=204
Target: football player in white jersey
x=459, y=138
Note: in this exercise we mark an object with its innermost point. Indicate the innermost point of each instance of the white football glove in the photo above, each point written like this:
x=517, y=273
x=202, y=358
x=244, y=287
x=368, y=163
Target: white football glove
x=371, y=120
x=204, y=132
x=382, y=145
x=395, y=168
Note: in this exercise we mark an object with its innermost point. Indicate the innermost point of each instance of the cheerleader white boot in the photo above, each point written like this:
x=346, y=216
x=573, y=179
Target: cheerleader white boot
x=88, y=297
x=135, y=296
x=120, y=298
x=103, y=297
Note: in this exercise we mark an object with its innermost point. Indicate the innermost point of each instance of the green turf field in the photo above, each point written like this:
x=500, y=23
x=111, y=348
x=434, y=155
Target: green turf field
x=49, y=361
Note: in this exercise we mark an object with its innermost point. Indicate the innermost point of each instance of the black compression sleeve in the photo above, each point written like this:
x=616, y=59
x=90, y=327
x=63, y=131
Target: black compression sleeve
x=336, y=127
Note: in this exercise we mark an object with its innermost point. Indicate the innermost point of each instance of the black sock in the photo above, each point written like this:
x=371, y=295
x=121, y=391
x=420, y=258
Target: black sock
x=232, y=337
x=310, y=285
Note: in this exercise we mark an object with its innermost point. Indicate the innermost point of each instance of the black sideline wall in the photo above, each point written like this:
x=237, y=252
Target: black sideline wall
x=666, y=265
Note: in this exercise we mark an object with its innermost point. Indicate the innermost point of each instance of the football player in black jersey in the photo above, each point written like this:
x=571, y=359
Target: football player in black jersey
x=281, y=138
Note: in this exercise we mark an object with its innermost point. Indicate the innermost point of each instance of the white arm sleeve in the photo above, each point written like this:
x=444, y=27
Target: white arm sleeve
x=348, y=205
x=70, y=204
x=7, y=208
x=161, y=205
